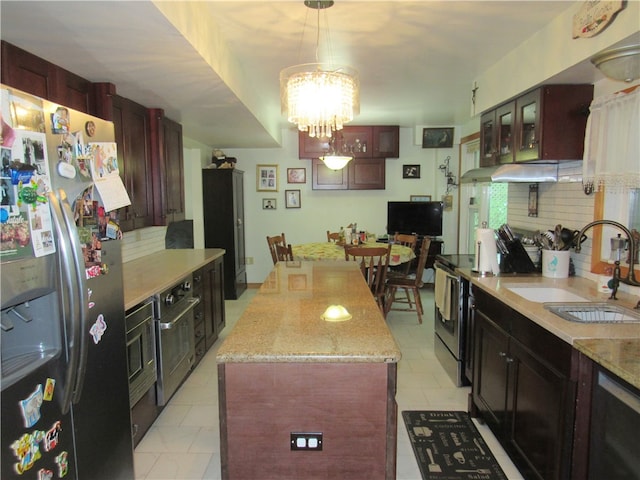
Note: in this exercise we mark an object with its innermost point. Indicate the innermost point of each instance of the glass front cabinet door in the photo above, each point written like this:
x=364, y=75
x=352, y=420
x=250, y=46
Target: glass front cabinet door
x=505, y=131
x=528, y=127
x=488, y=139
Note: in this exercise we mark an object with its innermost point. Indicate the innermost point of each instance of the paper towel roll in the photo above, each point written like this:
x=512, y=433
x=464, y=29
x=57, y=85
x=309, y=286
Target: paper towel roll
x=486, y=252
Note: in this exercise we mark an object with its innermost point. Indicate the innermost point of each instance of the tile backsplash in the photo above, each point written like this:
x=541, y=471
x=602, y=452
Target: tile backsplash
x=141, y=242
x=562, y=203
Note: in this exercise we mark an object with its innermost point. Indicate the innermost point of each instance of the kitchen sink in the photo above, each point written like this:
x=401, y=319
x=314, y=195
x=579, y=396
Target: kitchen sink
x=545, y=294
x=594, y=312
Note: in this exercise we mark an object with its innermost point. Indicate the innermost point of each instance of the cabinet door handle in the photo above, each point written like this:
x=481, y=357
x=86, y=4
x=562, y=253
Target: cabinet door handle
x=502, y=354
x=509, y=360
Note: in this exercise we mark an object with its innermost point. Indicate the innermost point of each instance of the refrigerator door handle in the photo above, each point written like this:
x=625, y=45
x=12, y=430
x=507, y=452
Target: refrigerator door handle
x=76, y=294
x=82, y=292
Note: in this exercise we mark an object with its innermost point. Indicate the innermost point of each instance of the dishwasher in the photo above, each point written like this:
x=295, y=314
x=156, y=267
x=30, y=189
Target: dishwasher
x=615, y=423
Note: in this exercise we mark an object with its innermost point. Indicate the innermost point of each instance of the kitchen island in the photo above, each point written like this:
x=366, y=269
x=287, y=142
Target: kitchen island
x=303, y=397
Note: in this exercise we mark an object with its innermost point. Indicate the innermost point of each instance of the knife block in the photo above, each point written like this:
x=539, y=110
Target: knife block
x=517, y=260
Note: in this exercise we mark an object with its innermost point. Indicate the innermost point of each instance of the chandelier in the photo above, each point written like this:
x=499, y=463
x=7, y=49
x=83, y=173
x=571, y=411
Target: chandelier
x=319, y=98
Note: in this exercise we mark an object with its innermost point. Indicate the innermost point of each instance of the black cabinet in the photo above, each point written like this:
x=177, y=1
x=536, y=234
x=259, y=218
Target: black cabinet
x=223, y=204
x=523, y=388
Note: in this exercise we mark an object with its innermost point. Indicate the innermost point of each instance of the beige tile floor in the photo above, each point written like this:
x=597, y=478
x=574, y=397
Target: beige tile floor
x=184, y=443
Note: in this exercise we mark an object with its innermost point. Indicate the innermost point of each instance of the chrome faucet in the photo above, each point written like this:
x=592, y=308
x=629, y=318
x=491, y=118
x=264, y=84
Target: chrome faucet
x=630, y=278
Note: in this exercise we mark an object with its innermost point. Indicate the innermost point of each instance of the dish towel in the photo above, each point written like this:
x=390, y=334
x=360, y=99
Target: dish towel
x=442, y=293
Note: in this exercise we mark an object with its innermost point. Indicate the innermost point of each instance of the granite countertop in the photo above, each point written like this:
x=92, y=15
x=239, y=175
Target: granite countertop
x=615, y=346
x=620, y=356
x=158, y=271
x=283, y=322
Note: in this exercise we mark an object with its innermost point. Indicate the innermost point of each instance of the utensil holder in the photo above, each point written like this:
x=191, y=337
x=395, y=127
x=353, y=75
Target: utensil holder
x=555, y=263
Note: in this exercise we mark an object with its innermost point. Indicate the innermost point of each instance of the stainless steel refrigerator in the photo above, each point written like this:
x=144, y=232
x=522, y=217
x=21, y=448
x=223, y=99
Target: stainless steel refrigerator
x=64, y=377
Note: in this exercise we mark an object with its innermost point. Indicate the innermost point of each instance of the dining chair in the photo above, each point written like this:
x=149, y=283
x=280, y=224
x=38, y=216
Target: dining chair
x=403, y=270
x=407, y=240
x=411, y=284
x=284, y=253
x=333, y=236
x=374, y=263
x=272, y=242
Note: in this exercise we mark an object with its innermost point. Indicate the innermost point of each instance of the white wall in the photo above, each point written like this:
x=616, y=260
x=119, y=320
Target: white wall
x=329, y=210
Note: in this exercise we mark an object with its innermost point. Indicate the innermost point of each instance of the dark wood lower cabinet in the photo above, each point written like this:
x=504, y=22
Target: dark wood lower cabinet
x=352, y=405
x=208, y=285
x=143, y=414
x=523, y=388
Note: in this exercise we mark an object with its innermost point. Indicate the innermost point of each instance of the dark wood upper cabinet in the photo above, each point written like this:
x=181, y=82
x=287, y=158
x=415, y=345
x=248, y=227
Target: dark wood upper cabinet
x=34, y=75
x=386, y=142
x=360, y=141
x=551, y=122
x=367, y=174
x=168, y=167
x=547, y=123
x=131, y=124
x=150, y=155
x=311, y=147
x=323, y=178
x=359, y=174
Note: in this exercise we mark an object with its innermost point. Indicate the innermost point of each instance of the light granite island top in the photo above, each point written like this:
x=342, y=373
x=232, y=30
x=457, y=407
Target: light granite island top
x=283, y=322
x=151, y=274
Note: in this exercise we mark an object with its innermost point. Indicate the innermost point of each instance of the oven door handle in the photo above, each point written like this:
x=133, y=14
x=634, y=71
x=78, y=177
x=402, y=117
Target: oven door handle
x=169, y=325
x=447, y=272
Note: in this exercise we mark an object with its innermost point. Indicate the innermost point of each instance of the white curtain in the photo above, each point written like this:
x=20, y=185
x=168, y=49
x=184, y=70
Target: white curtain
x=612, y=142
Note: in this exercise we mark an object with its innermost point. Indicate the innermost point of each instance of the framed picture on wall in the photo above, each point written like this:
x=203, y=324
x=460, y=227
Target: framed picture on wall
x=437, y=137
x=296, y=175
x=269, y=204
x=292, y=198
x=410, y=171
x=267, y=178
x=420, y=198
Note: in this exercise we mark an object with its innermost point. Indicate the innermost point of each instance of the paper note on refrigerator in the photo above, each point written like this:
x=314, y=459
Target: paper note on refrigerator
x=106, y=177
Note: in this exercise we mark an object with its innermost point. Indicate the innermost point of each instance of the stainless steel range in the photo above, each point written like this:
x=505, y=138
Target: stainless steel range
x=175, y=334
x=451, y=313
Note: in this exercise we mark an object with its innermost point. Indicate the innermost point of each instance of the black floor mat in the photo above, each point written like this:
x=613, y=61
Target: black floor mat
x=448, y=446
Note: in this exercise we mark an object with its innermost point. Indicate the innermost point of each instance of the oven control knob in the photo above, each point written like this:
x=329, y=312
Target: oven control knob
x=186, y=286
x=169, y=299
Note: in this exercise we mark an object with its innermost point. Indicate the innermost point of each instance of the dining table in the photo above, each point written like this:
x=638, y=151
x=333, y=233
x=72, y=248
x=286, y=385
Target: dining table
x=319, y=251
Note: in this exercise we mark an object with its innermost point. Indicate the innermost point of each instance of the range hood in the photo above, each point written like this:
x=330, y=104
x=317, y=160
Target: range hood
x=513, y=172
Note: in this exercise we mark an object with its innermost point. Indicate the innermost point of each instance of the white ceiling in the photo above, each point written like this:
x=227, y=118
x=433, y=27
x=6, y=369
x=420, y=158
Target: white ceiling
x=219, y=78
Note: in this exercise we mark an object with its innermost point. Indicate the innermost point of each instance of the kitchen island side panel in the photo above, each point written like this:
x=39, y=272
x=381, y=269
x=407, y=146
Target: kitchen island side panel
x=351, y=404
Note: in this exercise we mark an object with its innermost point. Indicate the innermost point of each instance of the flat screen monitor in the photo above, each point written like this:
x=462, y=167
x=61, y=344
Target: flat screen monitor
x=421, y=218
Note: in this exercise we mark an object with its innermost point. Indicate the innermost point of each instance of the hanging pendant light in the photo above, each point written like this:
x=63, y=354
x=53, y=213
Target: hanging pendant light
x=319, y=98
x=335, y=158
